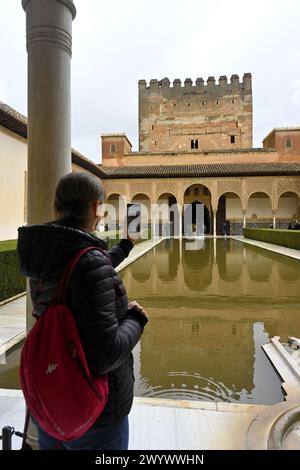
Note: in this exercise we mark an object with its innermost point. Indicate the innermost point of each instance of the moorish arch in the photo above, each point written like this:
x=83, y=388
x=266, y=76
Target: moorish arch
x=114, y=211
x=167, y=216
x=287, y=209
x=197, y=194
x=143, y=204
x=259, y=210
x=229, y=213
x=284, y=186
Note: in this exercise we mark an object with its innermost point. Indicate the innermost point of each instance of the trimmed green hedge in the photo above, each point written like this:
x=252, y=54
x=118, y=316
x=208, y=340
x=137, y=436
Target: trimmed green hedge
x=288, y=238
x=8, y=245
x=11, y=282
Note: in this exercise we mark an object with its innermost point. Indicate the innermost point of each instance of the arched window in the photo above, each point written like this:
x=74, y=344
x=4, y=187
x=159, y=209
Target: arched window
x=288, y=143
x=113, y=148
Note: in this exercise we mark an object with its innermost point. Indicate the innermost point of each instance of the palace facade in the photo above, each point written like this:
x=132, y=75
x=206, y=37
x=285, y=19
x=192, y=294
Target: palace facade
x=195, y=147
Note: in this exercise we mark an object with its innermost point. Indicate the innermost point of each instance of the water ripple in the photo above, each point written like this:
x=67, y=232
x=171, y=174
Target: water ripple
x=191, y=386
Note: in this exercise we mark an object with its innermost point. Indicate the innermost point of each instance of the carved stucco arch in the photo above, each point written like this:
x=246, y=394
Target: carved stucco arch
x=289, y=191
x=286, y=186
x=187, y=185
x=262, y=192
x=167, y=187
x=232, y=192
x=114, y=193
x=166, y=192
x=142, y=193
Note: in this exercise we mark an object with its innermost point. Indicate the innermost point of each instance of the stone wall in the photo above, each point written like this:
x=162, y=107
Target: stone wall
x=195, y=116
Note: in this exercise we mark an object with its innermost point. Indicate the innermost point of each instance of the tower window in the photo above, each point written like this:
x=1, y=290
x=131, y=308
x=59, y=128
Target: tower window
x=232, y=101
x=203, y=103
x=155, y=142
x=194, y=144
x=189, y=104
x=217, y=102
x=113, y=148
x=152, y=127
x=288, y=143
x=232, y=139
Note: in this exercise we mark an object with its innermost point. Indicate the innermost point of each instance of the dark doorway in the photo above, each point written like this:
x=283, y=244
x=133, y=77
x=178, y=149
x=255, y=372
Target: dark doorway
x=207, y=224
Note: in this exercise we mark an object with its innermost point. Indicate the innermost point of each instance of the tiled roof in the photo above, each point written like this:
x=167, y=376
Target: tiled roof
x=283, y=129
x=11, y=119
x=206, y=151
x=204, y=170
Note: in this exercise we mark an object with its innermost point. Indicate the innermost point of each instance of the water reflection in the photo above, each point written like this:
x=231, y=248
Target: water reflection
x=210, y=310
x=9, y=369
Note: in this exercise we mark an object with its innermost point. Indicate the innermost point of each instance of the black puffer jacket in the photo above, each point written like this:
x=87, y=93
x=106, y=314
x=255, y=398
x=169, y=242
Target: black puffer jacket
x=97, y=298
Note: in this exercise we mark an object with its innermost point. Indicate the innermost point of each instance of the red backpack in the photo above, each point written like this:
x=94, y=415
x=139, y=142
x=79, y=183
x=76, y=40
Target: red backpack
x=58, y=387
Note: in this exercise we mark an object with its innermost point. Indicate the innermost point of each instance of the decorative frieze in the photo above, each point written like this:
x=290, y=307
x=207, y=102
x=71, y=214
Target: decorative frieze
x=259, y=185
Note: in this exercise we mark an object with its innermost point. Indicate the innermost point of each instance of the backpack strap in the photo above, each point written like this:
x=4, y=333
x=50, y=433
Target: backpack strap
x=62, y=287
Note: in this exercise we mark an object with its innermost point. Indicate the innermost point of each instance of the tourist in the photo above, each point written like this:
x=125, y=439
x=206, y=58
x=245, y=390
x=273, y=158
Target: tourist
x=109, y=327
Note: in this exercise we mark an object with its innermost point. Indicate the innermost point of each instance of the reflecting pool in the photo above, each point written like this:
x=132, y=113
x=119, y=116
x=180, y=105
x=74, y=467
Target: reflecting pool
x=211, y=308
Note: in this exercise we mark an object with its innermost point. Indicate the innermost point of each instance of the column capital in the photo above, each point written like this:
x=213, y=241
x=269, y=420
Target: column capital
x=68, y=3
x=49, y=22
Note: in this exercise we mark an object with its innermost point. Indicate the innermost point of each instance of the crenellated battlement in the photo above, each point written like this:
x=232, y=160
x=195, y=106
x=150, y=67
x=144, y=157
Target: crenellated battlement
x=224, y=86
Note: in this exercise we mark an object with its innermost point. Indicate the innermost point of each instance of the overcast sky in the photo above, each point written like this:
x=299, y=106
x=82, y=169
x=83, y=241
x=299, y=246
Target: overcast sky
x=116, y=43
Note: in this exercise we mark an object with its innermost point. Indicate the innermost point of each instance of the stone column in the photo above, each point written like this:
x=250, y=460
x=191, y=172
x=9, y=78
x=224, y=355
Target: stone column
x=49, y=46
x=180, y=213
x=153, y=220
x=215, y=223
x=274, y=218
x=244, y=219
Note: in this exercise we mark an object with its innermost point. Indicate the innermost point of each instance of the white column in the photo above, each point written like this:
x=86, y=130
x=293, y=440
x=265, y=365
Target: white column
x=49, y=46
x=180, y=209
x=153, y=220
x=215, y=223
x=274, y=219
x=244, y=219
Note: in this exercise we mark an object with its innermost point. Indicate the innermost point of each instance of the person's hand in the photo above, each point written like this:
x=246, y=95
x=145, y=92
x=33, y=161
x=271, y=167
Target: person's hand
x=138, y=308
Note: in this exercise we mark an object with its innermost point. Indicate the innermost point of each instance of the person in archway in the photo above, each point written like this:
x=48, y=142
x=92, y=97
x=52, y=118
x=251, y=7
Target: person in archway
x=109, y=327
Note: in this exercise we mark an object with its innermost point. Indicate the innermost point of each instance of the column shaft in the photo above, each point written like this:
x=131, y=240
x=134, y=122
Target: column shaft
x=215, y=223
x=49, y=43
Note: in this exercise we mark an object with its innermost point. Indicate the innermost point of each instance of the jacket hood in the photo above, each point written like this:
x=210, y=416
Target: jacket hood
x=47, y=248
